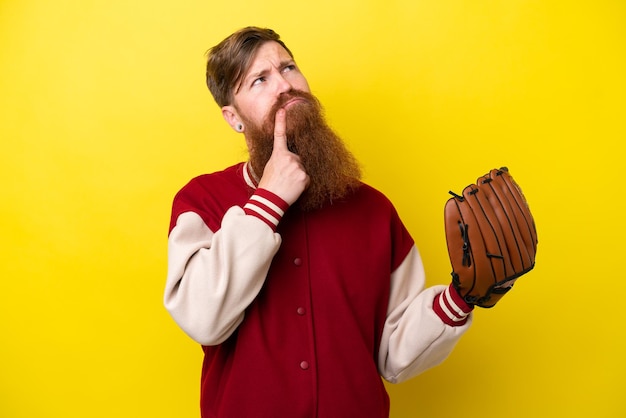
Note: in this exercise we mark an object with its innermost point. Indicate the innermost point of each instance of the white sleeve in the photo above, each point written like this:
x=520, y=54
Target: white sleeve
x=414, y=337
x=212, y=277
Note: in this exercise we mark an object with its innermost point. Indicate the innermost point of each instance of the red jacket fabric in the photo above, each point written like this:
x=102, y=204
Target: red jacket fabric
x=308, y=343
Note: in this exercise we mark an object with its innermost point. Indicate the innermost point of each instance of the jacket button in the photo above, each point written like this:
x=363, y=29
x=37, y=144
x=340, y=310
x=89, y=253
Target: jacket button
x=304, y=365
x=301, y=311
x=297, y=261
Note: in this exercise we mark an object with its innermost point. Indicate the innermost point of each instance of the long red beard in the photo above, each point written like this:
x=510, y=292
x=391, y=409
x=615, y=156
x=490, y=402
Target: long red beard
x=333, y=170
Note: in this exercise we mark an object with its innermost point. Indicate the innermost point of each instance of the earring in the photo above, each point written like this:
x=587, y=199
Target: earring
x=239, y=127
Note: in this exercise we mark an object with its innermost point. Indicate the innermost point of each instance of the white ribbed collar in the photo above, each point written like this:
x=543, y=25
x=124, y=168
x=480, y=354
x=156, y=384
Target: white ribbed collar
x=250, y=176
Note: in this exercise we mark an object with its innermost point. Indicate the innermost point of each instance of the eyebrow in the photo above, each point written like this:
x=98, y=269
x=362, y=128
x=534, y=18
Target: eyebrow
x=266, y=70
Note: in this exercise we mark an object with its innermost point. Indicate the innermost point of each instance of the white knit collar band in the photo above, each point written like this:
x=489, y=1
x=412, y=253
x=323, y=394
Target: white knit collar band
x=250, y=176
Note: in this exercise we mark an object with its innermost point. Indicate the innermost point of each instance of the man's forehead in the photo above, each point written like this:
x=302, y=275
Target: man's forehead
x=270, y=53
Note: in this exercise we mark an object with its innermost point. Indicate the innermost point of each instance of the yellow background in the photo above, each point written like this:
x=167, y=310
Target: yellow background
x=104, y=116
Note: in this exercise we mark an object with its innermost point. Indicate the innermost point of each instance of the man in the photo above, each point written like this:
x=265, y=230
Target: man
x=300, y=282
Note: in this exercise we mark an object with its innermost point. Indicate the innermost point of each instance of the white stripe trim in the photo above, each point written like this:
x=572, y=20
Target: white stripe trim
x=267, y=203
x=459, y=311
x=454, y=316
x=261, y=212
x=246, y=176
x=449, y=314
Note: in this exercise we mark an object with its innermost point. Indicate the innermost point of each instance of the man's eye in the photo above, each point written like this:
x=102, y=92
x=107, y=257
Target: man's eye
x=258, y=81
x=289, y=68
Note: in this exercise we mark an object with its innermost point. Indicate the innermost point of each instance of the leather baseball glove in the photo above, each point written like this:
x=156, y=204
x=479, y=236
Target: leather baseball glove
x=491, y=238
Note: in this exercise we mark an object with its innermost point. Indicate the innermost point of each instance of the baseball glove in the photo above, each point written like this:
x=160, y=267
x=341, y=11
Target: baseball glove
x=491, y=238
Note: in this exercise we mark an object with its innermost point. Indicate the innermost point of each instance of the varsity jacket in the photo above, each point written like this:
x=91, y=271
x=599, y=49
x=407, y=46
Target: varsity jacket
x=301, y=313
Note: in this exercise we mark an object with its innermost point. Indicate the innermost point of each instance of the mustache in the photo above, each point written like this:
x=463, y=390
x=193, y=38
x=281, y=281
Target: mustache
x=302, y=111
x=285, y=97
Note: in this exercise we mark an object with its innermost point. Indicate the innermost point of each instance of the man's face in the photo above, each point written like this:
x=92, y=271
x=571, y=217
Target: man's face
x=272, y=82
x=272, y=72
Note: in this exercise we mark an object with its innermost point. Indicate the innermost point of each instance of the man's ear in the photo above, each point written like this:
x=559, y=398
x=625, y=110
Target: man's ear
x=232, y=118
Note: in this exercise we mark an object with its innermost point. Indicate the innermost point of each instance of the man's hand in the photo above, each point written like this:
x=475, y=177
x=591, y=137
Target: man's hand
x=283, y=174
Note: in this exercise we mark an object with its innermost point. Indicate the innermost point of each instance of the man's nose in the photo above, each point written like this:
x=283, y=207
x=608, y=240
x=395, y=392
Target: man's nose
x=283, y=85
